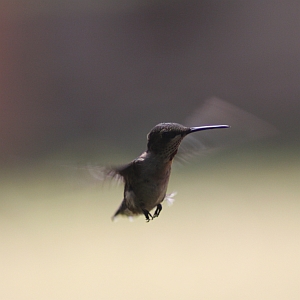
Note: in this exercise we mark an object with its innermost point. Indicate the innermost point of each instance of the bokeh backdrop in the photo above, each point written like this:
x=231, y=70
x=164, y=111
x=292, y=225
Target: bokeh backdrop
x=84, y=81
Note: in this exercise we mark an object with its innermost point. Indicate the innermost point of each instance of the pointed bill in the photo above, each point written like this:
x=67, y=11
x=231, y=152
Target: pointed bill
x=206, y=127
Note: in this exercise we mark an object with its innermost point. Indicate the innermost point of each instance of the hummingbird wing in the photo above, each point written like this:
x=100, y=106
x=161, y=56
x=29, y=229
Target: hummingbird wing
x=119, y=173
x=98, y=173
x=245, y=127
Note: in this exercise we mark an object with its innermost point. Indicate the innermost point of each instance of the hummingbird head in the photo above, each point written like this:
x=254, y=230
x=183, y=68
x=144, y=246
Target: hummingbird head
x=165, y=138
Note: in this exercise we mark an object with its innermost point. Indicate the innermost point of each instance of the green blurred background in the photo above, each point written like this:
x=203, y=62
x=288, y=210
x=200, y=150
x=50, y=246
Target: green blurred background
x=83, y=82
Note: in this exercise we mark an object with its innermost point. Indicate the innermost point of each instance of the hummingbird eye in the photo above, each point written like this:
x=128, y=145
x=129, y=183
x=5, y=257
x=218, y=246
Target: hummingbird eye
x=169, y=135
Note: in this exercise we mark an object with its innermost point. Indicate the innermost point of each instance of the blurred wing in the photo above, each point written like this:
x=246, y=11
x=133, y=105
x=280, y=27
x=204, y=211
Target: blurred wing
x=82, y=174
x=245, y=127
x=112, y=173
x=89, y=173
x=117, y=173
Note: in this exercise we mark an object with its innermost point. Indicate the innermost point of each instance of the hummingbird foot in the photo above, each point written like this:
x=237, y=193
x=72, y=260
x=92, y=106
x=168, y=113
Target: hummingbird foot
x=157, y=211
x=147, y=215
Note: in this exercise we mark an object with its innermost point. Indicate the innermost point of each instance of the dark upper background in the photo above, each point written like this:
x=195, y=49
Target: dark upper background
x=111, y=71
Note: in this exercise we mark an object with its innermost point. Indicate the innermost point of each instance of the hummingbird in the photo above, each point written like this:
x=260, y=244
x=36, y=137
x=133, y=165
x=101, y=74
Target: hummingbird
x=146, y=178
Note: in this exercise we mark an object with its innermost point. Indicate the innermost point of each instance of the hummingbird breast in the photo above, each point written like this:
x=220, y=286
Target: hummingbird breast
x=147, y=186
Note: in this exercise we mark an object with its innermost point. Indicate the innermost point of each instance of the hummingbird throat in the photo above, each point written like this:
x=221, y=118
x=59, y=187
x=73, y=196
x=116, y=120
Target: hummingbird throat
x=171, y=150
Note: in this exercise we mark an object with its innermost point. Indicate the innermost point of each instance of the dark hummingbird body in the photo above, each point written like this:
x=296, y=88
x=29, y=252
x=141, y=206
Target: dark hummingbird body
x=146, y=178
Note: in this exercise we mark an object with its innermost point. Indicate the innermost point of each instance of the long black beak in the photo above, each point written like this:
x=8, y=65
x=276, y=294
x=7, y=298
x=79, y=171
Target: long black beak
x=194, y=129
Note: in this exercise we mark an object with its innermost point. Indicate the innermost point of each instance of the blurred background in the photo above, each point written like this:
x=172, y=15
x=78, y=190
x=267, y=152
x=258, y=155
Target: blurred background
x=84, y=82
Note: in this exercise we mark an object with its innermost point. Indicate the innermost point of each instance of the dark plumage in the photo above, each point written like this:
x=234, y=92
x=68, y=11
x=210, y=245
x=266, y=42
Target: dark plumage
x=146, y=178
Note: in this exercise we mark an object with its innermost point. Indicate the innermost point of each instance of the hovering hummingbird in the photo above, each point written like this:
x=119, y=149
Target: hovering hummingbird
x=146, y=177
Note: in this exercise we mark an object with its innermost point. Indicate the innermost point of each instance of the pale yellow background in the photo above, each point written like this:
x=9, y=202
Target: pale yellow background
x=232, y=233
